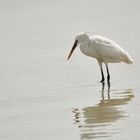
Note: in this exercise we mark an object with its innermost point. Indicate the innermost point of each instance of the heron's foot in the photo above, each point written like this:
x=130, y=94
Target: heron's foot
x=102, y=81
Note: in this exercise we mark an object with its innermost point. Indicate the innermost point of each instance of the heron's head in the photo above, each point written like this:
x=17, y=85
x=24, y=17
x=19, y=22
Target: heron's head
x=79, y=39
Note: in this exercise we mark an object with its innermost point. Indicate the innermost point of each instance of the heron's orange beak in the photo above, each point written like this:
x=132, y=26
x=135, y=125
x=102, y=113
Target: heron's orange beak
x=73, y=48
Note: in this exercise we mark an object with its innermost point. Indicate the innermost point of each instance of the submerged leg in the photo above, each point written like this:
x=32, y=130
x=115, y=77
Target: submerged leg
x=103, y=79
x=108, y=75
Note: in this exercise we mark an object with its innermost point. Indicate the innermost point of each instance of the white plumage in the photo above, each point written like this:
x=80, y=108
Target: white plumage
x=103, y=49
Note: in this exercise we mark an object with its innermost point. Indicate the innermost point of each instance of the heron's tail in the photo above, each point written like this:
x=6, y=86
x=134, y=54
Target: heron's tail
x=127, y=58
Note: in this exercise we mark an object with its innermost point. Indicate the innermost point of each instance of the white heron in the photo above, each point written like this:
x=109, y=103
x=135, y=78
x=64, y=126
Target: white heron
x=101, y=48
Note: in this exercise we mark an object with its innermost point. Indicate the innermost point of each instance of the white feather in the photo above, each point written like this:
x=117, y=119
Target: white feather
x=101, y=48
x=105, y=50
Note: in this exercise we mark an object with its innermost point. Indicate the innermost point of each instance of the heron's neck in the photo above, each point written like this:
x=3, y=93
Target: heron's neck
x=84, y=47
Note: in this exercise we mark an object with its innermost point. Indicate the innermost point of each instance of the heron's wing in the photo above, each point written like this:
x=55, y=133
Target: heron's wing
x=108, y=50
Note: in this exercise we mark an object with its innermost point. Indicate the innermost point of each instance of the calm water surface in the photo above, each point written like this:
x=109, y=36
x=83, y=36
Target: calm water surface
x=43, y=96
x=97, y=121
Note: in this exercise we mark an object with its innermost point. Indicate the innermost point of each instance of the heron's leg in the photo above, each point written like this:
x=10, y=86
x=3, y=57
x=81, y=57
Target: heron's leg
x=103, y=79
x=108, y=75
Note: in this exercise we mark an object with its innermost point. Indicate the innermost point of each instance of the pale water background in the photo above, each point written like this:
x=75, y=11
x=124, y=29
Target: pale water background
x=45, y=97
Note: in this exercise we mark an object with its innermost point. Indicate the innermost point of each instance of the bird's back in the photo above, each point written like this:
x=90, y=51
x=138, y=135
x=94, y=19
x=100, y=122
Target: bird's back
x=107, y=51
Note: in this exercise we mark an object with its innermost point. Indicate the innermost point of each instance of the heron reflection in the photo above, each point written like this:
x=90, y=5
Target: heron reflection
x=94, y=121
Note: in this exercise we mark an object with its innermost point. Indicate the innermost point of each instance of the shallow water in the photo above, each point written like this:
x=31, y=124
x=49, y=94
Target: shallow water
x=44, y=96
x=97, y=121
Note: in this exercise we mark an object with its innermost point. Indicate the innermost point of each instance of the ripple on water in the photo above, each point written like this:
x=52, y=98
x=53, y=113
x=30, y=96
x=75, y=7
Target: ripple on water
x=97, y=121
